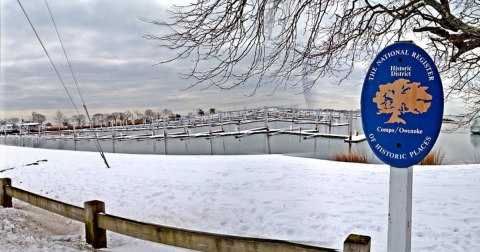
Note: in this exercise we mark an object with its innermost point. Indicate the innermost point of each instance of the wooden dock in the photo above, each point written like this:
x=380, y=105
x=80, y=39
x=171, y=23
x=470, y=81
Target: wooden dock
x=356, y=139
x=306, y=134
x=158, y=128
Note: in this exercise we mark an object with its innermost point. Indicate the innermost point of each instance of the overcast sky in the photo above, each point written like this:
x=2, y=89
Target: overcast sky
x=113, y=65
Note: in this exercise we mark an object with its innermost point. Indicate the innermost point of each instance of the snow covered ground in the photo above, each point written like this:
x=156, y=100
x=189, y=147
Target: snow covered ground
x=272, y=196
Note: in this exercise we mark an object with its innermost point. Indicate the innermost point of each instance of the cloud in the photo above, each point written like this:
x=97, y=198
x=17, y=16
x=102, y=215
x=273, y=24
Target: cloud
x=113, y=65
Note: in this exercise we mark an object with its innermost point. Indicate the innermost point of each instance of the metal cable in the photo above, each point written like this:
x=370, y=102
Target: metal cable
x=51, y=62
x=97, y=143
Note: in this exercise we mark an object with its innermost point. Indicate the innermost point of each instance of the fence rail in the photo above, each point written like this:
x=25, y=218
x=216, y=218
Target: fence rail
x=97, y=222
x=196, y=240
x=54, y=206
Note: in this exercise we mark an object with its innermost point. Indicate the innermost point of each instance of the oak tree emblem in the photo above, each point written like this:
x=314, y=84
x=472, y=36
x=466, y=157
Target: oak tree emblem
x=401, y=97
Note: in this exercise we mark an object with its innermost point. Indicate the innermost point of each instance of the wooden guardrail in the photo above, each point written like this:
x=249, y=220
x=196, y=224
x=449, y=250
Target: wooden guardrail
x=97, y=222
x=60, y=208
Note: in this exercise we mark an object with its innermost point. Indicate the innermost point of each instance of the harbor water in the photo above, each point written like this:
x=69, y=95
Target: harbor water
x=459, y=147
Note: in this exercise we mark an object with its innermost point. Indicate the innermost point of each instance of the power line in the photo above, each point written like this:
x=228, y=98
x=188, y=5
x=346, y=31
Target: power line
x=51, y=62
x=64, y=52
x=97, y=144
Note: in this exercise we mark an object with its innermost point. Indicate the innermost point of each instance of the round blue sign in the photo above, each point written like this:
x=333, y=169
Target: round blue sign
x=402, y=104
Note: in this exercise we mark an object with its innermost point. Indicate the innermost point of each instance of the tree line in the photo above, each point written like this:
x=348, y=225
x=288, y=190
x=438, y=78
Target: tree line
x=115, y=118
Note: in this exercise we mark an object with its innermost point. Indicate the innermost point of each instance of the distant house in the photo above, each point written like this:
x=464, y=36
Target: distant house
x=24, y=126
x=6, y=128
x=30, y=126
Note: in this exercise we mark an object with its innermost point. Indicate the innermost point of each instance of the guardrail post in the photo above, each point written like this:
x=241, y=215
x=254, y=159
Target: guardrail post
x=5, y=200
x=357, y=243
x=95, y=236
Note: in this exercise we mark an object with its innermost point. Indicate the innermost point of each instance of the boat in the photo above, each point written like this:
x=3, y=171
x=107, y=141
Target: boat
x=475, y=127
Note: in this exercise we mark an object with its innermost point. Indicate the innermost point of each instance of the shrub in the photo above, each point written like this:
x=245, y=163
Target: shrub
x=433, y=158
x=358, y=156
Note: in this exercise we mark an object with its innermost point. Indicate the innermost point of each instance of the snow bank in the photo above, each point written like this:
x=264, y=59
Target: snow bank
x=270, y=196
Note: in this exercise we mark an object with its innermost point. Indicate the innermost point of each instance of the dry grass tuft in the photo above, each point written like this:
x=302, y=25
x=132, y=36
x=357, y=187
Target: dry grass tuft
x=358, y=156
x=433, y=158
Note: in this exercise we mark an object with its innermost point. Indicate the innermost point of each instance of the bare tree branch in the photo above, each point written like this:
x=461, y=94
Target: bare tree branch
x=295, y=43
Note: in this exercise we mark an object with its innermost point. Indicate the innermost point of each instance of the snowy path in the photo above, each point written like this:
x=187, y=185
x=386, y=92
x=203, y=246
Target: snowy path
x=28, y=228
x=297, y=199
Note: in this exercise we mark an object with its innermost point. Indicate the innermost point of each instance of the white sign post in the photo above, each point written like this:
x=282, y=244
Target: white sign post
x=400, y=210
x=402, y=110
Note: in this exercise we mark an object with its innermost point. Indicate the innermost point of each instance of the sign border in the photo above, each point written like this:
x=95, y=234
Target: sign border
x=367, y=102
